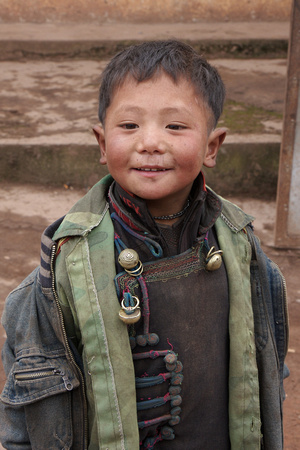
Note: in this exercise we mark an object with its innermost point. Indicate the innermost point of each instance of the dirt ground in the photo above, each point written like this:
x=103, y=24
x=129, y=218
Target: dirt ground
x=26, y=210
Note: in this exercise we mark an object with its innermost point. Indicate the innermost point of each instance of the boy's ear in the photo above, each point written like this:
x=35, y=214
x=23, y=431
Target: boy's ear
x=215, y=140
x=99, y=134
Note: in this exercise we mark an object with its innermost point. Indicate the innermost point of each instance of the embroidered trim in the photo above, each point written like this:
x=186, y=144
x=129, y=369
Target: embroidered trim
x=174, y=267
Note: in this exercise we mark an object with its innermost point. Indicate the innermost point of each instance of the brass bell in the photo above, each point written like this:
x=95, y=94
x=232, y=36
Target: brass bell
x=129, y=319
x=130, y=314
x=129, y=260
x=213, y=259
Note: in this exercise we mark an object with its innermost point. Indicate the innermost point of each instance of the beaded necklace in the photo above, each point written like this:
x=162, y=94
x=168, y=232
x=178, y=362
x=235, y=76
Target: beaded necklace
x=173, y=216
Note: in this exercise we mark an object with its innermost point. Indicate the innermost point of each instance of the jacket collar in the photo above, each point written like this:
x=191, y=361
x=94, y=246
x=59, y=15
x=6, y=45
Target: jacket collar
x=234, y=217
x=87, y=213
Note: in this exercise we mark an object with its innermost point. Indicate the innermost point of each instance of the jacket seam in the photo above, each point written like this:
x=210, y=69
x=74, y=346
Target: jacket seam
x=229, y=224
x=106, y=348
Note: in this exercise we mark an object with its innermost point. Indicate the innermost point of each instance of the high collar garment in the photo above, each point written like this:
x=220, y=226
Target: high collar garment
x=205, y=208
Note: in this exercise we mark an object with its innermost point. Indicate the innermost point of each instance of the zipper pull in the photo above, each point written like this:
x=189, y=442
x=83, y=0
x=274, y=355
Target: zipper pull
x=67, y=383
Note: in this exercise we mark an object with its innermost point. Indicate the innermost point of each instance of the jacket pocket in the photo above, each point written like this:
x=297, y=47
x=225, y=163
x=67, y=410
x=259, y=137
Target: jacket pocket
x=33, y=378
x=44, y=388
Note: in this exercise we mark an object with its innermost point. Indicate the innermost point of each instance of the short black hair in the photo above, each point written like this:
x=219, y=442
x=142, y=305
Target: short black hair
x=176, y=59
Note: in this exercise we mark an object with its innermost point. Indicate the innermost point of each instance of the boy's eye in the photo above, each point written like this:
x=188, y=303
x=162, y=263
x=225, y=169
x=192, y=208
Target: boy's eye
x=129, y=126
x=174, y=126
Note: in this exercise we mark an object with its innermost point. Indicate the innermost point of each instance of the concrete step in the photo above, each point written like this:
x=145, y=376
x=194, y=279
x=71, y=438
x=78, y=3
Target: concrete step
x=97, y=41
x=49, y=110
x=50, y=106
x=246, y=165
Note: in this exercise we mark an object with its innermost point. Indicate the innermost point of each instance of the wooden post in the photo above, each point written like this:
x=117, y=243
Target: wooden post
x=287, y=231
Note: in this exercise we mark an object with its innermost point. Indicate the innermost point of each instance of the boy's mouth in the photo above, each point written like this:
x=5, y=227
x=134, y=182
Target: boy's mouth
x=147, y=169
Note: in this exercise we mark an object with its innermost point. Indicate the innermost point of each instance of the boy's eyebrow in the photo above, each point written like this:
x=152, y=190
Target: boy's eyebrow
x=129, y=108
x=167, y=109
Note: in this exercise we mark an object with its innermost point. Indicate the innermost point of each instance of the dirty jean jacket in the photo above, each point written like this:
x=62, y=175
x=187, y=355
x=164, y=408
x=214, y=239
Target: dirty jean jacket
x=45, y=373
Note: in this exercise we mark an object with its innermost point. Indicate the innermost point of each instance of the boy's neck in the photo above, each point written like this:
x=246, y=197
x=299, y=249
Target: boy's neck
x=170, y=219
x=169, y=210
x=142, y=212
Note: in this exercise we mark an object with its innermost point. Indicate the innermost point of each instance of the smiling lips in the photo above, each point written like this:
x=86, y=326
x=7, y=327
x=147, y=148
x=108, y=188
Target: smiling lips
x=147, y=169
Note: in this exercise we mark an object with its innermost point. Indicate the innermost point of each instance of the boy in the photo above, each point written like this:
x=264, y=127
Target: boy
x=154, y=320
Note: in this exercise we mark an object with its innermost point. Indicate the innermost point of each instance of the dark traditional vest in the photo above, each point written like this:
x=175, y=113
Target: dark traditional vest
x=180, y=344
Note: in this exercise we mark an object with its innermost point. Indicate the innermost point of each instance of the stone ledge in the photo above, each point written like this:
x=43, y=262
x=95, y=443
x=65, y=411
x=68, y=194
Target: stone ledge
x=100, y=50
x=132, y=31
x=81, y=41
x=247, y=168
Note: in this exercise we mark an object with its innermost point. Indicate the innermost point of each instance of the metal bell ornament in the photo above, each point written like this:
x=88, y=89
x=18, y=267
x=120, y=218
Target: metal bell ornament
x=213, y=259
x=130, y=261
x=130, y=311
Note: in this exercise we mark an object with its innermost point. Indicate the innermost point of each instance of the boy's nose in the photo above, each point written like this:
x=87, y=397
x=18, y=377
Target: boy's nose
x=151, y=142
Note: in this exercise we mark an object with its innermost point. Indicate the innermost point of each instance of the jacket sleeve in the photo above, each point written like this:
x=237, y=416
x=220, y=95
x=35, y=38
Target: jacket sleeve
x=41, y=382
x=13, y=429
x=269, y=287
x=269, y=304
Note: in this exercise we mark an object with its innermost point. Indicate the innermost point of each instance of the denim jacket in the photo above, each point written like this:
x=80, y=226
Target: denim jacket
x=44, y=372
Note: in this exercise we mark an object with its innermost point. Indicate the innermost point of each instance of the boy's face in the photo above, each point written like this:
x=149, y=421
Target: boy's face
x=156, y=140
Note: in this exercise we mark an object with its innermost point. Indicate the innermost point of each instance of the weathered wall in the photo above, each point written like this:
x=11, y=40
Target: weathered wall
x=40, y=11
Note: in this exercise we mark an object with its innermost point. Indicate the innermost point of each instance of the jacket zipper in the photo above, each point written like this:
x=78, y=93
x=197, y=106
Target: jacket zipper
x=53, y=251
x=38, y=374
x=29, y=376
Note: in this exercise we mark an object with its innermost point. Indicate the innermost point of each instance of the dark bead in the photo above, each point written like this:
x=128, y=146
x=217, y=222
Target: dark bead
x=152, y=339
x=174, y=421
x=170, y=367
x=175, y=411
x=141, y=340
x=174, y=390
x=170, y=358
x=176, y=379
x=176, y=400
x=167, y=433
x=179, y=367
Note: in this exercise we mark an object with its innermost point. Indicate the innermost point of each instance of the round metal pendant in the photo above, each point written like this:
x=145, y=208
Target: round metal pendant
x=128, y=258
x=130, y=314
x=214, y=262
x=214, y=259
x=130, y=318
